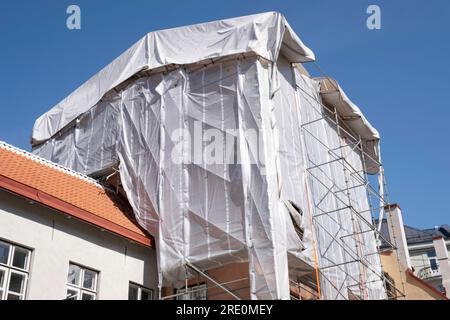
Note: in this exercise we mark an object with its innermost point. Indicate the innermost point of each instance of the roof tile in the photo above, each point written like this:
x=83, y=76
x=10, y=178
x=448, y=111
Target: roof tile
x=66, y=185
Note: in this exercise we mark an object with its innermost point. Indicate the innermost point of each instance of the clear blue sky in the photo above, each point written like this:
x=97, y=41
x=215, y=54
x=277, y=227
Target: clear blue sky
x=399, y=75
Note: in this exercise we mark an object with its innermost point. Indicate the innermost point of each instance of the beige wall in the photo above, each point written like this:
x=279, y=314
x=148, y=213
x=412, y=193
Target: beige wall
x=413, y=288
x=419, y=260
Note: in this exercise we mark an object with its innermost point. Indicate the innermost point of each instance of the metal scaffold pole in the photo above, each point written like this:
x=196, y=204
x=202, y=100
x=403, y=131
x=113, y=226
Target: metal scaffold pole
x=354, y=179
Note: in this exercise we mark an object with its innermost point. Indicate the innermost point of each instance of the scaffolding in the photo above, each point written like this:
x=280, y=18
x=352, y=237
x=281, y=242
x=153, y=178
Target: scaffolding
x=138, y=114
x=202, y=284
x=356, y=180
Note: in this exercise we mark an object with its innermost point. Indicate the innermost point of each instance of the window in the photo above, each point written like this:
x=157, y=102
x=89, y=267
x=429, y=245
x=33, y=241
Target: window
x=432, y=259
x=14, y=271
x=137, y=292
x=195, y=292
x=81, y=283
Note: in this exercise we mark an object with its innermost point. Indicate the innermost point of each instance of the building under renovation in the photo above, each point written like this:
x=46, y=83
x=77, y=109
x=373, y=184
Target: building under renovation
x=232, y=156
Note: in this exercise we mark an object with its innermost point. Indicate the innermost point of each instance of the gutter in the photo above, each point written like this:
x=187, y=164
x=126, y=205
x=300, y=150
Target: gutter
x=73, y=211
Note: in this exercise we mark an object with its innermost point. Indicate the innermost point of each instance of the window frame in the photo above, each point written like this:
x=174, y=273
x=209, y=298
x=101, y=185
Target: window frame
x=433, y=260
x=9, y=253
x=140, y=289
x=9, y=270
x=79, y=288
x=73, y=289
x=28, y=257
x=5, y=281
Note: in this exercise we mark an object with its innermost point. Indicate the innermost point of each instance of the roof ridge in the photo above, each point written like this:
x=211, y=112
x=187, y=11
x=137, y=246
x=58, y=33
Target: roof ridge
x=48, y=163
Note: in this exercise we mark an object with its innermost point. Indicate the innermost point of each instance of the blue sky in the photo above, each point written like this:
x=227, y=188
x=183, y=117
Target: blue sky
x=399, y=75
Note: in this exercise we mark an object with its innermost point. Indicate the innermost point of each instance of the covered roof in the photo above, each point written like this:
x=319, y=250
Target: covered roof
x=68, y=192
x=415, y=235
x=266, y=35
x=334, y=96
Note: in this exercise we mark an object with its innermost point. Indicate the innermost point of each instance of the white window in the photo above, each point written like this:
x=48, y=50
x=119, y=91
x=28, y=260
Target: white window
x=14, y=270
x=432, y=260
x=196, y=292
x=81, y=283
x=137, y=292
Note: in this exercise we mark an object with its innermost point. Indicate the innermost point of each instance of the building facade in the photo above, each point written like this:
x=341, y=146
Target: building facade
x=62, y=236
x=422, y=252
x=421, y=263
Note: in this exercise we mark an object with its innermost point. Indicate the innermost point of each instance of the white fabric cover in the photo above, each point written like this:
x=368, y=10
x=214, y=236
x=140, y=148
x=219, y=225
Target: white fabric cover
x=213, y=214
x=265, y=34
x=334, y=96
x=343, y=239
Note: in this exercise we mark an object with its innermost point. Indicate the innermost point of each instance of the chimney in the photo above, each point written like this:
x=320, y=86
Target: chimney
x=444, y=264
x=397, y=233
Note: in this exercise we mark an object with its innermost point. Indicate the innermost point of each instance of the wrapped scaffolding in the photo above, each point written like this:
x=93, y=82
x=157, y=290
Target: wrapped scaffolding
x=337, y=162
x=227, y=154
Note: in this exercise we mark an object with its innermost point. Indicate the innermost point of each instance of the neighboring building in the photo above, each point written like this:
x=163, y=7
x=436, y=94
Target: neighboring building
x=421, y=269
x=409, y=285
x=63, y=236
x=422, y=252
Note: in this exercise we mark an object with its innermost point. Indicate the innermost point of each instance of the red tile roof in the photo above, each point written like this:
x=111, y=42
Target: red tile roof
x=67, y=191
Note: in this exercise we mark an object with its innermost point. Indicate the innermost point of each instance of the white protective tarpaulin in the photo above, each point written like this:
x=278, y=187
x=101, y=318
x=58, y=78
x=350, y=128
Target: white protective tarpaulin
x=265, y=34
x=346, y=246
x=334, y=96
x=211, y=150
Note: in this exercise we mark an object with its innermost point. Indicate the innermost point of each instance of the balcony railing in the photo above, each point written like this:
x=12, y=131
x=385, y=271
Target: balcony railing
x=428, y=272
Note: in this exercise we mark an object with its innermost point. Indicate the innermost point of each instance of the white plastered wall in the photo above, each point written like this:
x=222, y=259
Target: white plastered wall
x=56, y=241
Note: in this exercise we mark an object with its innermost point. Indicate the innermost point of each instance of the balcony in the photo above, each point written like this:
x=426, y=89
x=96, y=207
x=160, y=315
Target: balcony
x=428, y=273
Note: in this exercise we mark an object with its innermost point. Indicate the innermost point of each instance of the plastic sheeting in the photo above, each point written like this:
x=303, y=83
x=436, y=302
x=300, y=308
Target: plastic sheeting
x=265, y=34
x=334, y=97
x=209, y=157
x=348, y=257
x=202, y=213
